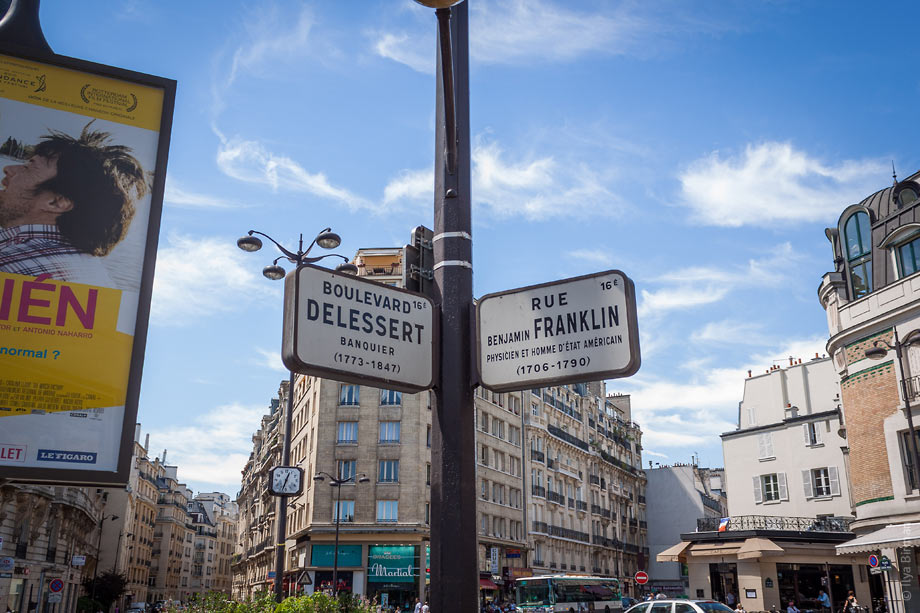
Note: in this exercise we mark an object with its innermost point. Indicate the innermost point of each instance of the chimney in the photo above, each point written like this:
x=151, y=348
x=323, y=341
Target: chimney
x=147, y=442
x=791, y=411
x=791, y=361
x=164, y=456
x=749, y=374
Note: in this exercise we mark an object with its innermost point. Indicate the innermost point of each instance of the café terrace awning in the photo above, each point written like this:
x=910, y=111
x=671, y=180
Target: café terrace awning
x=895, y=535
x=675, y=553
x=758, y=548
x=714, y=549
x=487, y=584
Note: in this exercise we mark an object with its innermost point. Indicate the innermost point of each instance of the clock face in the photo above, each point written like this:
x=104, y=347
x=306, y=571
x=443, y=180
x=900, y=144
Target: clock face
x=286, y=480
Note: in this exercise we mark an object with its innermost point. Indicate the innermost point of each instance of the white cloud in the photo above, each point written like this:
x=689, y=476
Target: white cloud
x=595, y=256
x=270, y=358
x=526, y=31
x=661, y=301
x=730, y=332
x=412, y=185
x=198, y=276
x=406, y=49
x=272, y=38
x=212, y=450
x=774, y=183
x=249, y=161
x=179, y=196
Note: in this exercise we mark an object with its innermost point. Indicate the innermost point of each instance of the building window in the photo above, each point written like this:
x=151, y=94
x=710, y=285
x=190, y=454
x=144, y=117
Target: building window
x=909, y=256
x=770, y=488
x=388, y=471
x=908, y=456
x=765, y=445
x=345, y=469
x=348, y=395
x=389, y=432
x=387, y=510
x=428, y=474
x=390, y=397
x=907, y=193
x=428, y=437
x=344, y=511
x=824, y=482
x=812, y=433
x=484, y=489
x=484, y=524
x=348, y=432
x=859, y=253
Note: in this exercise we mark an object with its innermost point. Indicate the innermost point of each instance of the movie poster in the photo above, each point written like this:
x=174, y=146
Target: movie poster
x=78, y=156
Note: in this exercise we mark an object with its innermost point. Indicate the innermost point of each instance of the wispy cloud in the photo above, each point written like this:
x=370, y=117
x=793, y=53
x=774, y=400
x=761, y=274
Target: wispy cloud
x=214, y=448
x=269, y=358
x=250, y=161
x=774, y=182
x=527, y=31
x=410, y=185
x=731, y=332
x=198, y=276
x=179, y=196
x=594, y=256
x=273, y=37
x=700, y=285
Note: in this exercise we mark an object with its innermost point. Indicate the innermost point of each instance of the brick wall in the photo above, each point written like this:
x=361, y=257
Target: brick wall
x=869, y=397
x=857, y=351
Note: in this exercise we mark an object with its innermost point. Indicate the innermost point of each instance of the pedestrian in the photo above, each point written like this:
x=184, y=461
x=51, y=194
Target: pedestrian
x=418, y=606
x=824, y=600
x=852, y=605
x=730, y=599
x=660, y=596
x=792, y=608
x=740, y=608
x=425, y=608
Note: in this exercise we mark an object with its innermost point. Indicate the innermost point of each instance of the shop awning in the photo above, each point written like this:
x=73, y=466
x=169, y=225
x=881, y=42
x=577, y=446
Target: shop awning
x=487, y=584
x=757, y=548
x=714, y=549
x=675, y=553
x=894, y=535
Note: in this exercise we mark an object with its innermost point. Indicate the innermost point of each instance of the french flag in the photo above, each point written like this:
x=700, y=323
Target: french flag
x=723, y=524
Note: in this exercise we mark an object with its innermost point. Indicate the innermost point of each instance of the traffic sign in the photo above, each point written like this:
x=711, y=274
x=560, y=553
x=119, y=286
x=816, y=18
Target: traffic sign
x=55, y=597
x=350, y=329
x=884, y=563
x=873, y=560
x=578, y=329
x=641, y=577
x=56, y=585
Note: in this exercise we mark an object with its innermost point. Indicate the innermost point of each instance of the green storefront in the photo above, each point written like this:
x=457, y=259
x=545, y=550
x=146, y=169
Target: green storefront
x=393, y=575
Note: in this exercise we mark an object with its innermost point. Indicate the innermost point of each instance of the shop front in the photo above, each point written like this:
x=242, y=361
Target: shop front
x=350, y=568
x=393, y=575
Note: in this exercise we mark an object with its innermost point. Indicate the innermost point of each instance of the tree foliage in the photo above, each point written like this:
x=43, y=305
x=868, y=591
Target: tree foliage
x=110, y=585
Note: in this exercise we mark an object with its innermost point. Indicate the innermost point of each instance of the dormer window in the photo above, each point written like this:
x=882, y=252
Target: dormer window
x=907, y=193
x=909, y=256
x=857, y=237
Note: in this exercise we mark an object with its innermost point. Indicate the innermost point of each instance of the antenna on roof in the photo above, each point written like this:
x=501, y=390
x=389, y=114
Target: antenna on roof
x=894, y=175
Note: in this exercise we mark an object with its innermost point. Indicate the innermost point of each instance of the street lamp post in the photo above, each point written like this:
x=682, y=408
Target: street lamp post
x=326, y=239
x=879, y=351
x=453, y=471
x=99, y=553
x=338, y=483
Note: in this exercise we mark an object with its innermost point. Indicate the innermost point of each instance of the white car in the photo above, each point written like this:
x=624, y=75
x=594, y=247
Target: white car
x=669, y=605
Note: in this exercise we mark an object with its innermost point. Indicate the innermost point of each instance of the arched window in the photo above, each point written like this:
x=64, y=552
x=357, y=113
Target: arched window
x=907, y=193
x=859, y=253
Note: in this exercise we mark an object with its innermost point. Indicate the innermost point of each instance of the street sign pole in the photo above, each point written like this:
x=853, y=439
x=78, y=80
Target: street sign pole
x=454, y=566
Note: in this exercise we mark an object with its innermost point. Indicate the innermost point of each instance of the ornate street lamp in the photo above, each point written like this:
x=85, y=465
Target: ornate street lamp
x=338, y=483
x=326, y=239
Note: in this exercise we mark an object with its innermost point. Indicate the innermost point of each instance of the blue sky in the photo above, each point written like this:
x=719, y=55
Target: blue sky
x=701, y=148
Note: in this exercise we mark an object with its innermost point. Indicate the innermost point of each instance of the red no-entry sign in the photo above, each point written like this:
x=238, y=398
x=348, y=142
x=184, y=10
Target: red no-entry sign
x=641, y=577
x=56, y=585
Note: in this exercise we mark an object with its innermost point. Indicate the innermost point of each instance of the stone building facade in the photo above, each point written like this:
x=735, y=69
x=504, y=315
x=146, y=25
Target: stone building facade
x=871, y=295
x=48, y=533
x=171, y=556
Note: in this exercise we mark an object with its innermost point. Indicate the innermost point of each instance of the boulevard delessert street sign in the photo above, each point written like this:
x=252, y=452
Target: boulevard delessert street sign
x=579, y=329
x=351, y=329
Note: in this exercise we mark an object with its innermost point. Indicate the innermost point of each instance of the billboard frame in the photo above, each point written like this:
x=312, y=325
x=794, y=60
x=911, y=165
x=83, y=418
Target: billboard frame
x=119, y=477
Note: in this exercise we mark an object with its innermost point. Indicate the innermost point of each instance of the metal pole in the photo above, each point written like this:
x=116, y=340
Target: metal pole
x=281, y=503
x=98, y=558
x=335, y=554
x=911, y=436
x=454, y=565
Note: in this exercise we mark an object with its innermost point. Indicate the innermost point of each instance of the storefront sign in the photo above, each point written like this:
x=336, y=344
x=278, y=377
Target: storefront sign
x=392, y=564
x=493, y=560
x=513, y=553
x=351, y=329
x=324, y=555
x=579, y=329
x=7, y=563
x=74, y=309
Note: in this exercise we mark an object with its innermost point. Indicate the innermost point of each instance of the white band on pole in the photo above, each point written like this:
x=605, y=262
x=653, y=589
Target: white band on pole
x=462, y=263
x=465, y=235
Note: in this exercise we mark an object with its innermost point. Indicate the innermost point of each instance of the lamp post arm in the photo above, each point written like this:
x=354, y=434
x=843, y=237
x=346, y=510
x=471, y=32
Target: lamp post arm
x=306, y=260
x=290, y=254
x=320, y=233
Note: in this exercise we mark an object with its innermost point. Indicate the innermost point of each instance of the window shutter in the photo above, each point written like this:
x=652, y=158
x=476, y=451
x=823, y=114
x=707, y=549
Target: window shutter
x=818, y=425
x=783, y=492
x=751, y=417
x=762, y=444
x=806, y=482
x=807, y=435
x=768, y=443
x=758, y=495
x=835, y=482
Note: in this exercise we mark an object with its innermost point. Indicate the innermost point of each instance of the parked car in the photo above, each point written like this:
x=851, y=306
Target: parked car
x=136, y=607
x=669, y=605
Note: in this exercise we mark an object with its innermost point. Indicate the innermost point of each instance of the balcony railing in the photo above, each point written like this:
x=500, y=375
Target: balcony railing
x=581, y=505
x=537, y=455
x=555, y=497
x=568, y=438
x=913, y=387
x=768, y=522
x=594, y=480
x=596, y=509
x=538, y=490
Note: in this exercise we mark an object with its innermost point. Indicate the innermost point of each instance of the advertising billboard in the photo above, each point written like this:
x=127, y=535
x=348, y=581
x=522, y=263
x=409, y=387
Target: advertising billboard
x=83, y=151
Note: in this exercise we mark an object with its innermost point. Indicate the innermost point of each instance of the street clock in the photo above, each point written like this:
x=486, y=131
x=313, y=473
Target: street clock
x=286, y=481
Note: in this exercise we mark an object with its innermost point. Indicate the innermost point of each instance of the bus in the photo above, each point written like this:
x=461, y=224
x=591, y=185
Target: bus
x=567, y=594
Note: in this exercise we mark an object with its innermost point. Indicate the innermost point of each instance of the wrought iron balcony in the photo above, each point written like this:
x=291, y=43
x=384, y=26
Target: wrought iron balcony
x=768, y=522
